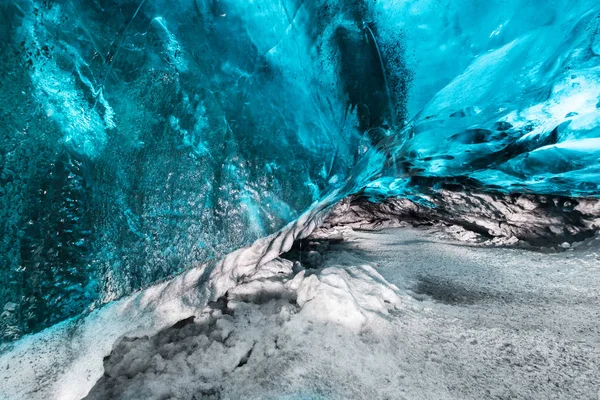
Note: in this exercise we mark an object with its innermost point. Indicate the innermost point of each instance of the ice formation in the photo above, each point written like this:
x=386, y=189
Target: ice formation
x=521, y=110
x=145, y=139
x=142, y=137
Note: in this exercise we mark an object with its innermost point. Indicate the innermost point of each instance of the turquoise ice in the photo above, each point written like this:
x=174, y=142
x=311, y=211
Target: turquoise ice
x=143, y=137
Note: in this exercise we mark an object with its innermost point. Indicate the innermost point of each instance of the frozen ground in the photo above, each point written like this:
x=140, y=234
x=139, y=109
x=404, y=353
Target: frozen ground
x=402, y=313
x=495, y=322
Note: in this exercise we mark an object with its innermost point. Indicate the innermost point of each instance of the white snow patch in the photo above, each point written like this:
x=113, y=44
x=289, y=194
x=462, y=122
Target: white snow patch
x=64, y=361
x=351, y=297
x=259, y=335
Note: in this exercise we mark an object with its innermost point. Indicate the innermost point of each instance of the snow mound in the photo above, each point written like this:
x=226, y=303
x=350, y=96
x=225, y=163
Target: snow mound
x=351, y=297
x=260, y=325
x=64, y=361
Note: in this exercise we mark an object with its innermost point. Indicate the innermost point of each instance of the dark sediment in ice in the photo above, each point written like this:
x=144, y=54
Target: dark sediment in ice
x=536, y=219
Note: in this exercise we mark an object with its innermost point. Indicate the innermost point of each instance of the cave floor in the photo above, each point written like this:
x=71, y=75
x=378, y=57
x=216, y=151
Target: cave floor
x=496, y=322
x=401, y=313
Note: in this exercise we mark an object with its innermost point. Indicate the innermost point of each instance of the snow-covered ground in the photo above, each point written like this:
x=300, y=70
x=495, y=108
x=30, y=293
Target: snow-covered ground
x=398, y=314
x=495, y=322
x=402, y=313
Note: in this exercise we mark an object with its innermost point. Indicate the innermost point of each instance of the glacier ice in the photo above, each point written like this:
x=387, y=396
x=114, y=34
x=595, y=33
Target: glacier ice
x=141, y=138
x=520, y=112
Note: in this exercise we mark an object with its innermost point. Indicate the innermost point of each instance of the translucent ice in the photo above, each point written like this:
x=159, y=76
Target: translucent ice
x=519, y=105
x=143, y=137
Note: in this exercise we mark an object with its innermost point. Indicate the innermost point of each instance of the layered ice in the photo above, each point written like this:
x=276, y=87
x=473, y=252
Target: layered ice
x=538, y=220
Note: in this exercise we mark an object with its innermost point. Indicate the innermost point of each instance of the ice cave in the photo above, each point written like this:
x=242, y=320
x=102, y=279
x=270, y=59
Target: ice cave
x=300, y=199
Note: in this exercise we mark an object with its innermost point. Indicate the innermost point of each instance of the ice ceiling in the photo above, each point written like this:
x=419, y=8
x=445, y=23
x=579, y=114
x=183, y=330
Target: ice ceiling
x=141, y=137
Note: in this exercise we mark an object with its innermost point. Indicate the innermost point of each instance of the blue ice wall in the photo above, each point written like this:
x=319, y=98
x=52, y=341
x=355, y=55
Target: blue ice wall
x=141, y=137
x=506, y=95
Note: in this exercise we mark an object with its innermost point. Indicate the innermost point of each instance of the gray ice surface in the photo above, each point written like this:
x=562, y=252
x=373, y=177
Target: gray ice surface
x=402, y=313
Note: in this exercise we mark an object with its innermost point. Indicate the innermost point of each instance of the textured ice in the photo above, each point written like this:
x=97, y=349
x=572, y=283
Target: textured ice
x=518, y=106
x=141, y=138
